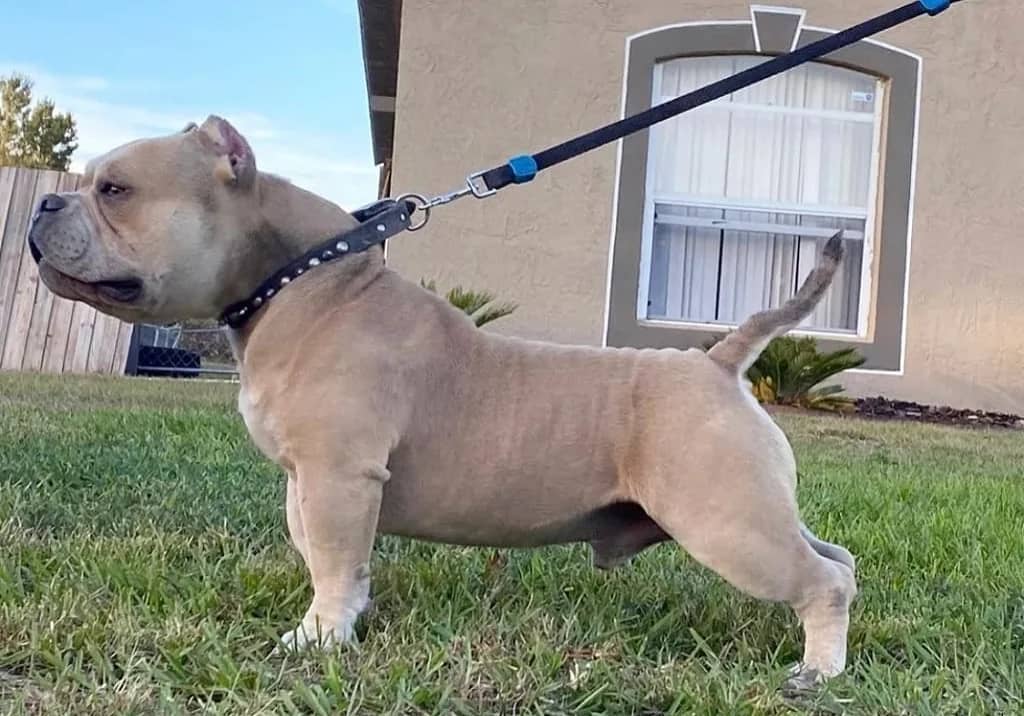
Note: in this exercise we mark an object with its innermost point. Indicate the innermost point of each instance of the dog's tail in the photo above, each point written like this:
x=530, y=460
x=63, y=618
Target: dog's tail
x=738, y=350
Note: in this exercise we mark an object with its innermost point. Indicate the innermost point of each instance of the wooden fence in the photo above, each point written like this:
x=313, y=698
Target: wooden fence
x=39, y=331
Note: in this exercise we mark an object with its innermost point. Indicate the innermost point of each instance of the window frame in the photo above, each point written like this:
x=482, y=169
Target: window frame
x=881, y=334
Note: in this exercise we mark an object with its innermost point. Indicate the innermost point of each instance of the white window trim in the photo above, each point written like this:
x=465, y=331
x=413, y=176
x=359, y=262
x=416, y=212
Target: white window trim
x=757, y=227
x=839, y=212
x=868, y=256
x=867, y=277
x=848, y=336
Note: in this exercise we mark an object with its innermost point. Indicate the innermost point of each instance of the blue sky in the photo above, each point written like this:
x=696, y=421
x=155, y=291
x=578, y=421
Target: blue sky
x=289, y=75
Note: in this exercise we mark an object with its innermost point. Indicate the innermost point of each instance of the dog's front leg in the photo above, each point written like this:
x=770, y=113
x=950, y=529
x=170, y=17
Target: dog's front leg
x=294, y=517
x=338, y=505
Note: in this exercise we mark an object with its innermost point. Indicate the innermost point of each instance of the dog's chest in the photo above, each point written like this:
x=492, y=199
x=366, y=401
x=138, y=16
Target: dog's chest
x=259, y=424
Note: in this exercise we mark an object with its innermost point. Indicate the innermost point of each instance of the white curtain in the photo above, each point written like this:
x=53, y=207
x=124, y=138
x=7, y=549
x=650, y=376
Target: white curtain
x=796, y=149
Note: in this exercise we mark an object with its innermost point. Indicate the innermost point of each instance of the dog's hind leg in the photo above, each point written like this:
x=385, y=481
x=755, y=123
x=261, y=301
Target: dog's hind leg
x=826, y=549
x=745, y=527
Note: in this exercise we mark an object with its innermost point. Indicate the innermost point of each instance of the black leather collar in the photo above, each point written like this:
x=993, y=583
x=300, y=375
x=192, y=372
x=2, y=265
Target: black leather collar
x=377, y=222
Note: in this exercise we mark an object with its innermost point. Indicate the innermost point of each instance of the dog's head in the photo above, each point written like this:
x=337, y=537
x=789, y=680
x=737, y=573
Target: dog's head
x=154, y=230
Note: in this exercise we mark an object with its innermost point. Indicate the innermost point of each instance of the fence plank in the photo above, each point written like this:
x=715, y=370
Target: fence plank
x=14, y=325
x=82, y=323
x=39, y=322
x=59, y=330
x=10, y=246
x=124, y=344
x=6, y=191
x=104, y=342
x=8, y=178
x=21, y=313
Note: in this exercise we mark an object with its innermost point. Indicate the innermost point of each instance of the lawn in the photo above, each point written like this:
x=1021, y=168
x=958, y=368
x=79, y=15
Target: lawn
x=144, y=568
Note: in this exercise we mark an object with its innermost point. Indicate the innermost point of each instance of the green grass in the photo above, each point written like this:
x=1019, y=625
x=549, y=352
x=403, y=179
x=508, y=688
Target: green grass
x=144, y=568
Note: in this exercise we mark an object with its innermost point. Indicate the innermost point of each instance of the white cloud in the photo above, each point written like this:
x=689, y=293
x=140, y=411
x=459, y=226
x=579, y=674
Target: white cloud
x=317, y=163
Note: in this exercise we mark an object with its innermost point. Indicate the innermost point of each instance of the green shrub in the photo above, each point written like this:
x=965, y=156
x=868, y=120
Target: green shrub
x=478, y=305
x=789, y=370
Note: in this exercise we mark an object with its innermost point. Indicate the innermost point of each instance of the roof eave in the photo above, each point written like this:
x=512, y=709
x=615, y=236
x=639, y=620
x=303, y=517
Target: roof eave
x=380, y=30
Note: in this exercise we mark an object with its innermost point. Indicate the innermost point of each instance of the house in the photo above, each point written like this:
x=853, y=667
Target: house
x=911, y=142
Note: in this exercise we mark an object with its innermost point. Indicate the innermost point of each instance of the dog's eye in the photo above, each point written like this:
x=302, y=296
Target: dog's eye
x=108, y=188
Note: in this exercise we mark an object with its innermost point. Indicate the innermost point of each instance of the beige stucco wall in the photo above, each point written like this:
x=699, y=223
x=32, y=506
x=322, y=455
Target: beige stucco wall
x=480, y=81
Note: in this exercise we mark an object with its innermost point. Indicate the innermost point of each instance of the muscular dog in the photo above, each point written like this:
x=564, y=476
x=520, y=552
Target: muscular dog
x=391, y=412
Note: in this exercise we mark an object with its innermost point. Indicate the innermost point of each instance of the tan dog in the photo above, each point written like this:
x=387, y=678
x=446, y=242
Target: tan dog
x=391, y=412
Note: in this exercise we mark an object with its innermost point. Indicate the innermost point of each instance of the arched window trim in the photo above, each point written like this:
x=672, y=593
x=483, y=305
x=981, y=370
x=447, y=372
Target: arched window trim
x=771, y=30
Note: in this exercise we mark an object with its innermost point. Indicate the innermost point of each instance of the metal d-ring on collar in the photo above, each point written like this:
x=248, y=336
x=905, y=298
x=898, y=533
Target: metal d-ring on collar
x=475, y=186
x=377, y=223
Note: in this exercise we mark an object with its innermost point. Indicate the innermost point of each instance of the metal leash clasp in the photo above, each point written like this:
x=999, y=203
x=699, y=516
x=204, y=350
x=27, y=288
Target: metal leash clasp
x=474, y=187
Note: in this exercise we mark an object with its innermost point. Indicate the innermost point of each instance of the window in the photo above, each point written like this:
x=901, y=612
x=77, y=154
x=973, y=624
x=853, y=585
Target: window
x=721, y=212
x=743, y=193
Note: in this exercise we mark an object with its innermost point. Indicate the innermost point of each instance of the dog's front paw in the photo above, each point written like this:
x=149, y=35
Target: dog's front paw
x=314, y=635
x=327, y=623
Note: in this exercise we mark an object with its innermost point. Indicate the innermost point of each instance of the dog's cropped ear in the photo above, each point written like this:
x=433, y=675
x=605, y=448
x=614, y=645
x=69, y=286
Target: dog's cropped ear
x=236, y=163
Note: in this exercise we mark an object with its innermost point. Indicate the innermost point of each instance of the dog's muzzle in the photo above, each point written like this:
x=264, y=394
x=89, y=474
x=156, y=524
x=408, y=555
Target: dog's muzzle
x=49, y=208
x=49, y=204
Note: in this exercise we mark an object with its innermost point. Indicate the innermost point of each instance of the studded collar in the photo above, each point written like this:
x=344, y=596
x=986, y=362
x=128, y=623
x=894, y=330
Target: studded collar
x=377, y=223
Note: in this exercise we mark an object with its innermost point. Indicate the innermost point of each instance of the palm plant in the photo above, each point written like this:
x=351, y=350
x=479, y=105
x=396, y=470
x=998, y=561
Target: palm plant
x=790, y=369
x=478, y=305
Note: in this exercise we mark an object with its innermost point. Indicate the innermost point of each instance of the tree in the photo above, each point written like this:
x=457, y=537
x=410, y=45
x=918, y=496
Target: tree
x=35, y=137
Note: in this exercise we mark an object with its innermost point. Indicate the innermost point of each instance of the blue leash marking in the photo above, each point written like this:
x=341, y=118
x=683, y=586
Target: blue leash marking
x=934, y=7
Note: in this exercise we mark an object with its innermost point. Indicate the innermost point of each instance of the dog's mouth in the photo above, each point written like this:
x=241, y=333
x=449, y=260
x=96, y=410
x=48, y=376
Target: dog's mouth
x=122, y=290
x=117, y=290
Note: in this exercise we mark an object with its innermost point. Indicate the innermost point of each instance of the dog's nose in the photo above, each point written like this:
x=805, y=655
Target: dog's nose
x=51, y=202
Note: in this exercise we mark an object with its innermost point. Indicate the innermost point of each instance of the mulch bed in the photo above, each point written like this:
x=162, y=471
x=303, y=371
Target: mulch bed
x=885, y=409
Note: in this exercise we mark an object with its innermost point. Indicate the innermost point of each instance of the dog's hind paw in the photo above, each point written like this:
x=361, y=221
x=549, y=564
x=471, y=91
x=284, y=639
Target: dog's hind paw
x=802, y=681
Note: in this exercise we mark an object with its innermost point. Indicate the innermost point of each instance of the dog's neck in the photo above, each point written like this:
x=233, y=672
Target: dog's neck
x=290, y=222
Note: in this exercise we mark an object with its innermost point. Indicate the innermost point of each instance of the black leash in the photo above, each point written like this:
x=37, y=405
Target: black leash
x=524, y=168
x=383, y=219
